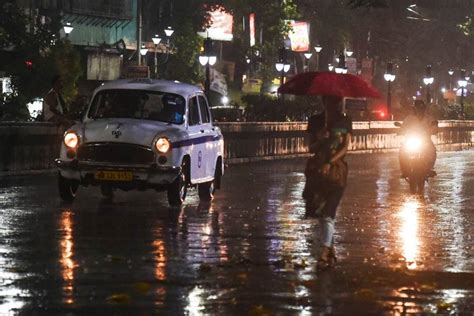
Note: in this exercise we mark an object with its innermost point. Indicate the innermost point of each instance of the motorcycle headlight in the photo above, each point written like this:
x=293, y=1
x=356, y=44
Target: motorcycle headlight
x=413, y=144
x=71, y=140
x=163, y=145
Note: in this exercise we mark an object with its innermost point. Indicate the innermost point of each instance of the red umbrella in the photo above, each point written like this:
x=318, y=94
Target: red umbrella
x=329, y=83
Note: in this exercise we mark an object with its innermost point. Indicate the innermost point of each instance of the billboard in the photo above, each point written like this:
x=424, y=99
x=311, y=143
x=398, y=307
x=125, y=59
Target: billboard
x=221, y=26
x=252, y=29
x=299, y=36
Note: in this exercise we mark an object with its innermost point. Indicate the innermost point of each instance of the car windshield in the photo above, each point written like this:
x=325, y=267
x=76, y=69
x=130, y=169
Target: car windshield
x=138, y=104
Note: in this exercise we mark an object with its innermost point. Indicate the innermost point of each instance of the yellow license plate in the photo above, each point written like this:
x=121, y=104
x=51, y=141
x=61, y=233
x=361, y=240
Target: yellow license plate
x=114, y=175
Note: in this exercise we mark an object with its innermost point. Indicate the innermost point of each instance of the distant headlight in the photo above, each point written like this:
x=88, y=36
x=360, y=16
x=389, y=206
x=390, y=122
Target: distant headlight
x=413, y=144
x=71, y=140
x=163, y=145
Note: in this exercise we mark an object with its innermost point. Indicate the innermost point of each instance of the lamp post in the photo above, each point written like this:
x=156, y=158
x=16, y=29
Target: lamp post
x=156, y=40
x=428, y=80
x=307, y=57
x=143, y=51
x=208, y=59
x=462, y=82
x=282, y=65
x=68, y=29
x=341, y=64
x=450, y=73
x=389, y=77
x=318, y=49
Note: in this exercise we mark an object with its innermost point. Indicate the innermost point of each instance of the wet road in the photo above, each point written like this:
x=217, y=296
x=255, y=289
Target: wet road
x=250, y=252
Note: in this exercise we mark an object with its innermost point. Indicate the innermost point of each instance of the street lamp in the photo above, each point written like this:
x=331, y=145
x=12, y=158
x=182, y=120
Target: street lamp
x=450, y=73
x=462, y=83
x=208, y=59
x=428, y=80
x=282, y=65
x=143, y=51
x=330, y=67
x=169, y=31
x=68, y=28
x=318, y=48
x=389, y=77
x=307, y=58
x=349, y=52
x=156, y=40
x=341, y=64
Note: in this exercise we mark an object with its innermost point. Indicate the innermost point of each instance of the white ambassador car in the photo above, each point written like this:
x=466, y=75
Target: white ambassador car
x=143, y=134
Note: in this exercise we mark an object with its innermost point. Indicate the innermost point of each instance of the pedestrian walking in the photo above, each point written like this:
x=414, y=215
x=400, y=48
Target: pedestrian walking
x=326, y=172
x=330, y=136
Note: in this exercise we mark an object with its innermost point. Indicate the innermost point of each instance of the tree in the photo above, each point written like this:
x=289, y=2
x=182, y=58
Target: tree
x=33, y=54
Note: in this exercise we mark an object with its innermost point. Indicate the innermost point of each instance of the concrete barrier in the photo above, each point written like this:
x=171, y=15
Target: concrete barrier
x=33, y=146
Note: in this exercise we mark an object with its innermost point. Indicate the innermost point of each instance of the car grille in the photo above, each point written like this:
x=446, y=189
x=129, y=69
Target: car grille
x=116, y=153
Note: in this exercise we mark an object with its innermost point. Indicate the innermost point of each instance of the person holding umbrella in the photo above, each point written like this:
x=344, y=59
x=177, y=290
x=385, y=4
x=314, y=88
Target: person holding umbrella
x=326, y=172
x=330, y=135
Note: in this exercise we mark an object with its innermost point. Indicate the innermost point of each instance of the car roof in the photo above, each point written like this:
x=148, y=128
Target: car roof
x=176, y=87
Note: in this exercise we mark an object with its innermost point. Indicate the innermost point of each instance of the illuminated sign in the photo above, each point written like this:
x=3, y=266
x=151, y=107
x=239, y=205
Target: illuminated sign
x=252, y=29
x=221, y=24
x=299, y=36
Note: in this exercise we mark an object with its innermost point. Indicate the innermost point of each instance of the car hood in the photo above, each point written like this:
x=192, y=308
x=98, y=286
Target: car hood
x=131, y=131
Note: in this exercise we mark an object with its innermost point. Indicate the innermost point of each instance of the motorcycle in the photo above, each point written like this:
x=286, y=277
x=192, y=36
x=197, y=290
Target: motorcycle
x=417, y=158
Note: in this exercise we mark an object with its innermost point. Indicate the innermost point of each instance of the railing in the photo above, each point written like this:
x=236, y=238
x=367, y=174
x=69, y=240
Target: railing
x=31, y=146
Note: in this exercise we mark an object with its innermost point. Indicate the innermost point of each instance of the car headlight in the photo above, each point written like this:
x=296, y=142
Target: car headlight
x=413, y=144
x=71, y=140
x=163, y=145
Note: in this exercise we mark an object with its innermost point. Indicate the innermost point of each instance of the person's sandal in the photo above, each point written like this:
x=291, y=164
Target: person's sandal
x=324, y=259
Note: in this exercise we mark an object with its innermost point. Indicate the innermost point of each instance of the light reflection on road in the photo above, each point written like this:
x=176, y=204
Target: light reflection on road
x=409, y=231
x=67, y=254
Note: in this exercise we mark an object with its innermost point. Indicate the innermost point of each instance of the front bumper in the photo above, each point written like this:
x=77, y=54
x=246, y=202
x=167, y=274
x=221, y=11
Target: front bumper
x=147, y=175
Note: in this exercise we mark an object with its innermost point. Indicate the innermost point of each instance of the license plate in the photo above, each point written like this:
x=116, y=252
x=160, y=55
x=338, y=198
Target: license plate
x=114, y=175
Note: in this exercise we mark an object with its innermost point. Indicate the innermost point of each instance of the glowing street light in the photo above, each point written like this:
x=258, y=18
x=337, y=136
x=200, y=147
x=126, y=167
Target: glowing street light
x=156, y=40
x=68, y=28
x=462, y=83
x=282, y=65
x=389, y=77
x=428, y=81
x=208, y=59
x=318, y=48
x=341, y=64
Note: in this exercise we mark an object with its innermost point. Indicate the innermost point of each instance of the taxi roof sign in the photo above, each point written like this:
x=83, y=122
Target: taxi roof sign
x=137, y=72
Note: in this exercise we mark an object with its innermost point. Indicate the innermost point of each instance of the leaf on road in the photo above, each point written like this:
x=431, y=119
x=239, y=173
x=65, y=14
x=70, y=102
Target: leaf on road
x=365, y=295
x=142, y=287
x=259, y=310
x=120, y=298
x=444, y=307
x=242, y=276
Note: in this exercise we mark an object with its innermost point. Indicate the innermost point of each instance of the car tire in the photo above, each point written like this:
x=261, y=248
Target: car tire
x=178, y=188
x=107, y=191
x=206, y=190
x=67, y=188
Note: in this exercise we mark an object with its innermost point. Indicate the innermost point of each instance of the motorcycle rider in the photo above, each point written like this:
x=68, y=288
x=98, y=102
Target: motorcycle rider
x=425, y=125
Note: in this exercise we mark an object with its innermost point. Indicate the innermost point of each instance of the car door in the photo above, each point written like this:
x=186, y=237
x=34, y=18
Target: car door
x=210, y=141
x=195, y=133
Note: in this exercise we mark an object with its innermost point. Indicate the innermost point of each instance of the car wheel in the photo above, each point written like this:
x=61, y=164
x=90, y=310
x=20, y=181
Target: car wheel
x=107, y=191
x=177, y=189
x=206, y=190
x=67, y=188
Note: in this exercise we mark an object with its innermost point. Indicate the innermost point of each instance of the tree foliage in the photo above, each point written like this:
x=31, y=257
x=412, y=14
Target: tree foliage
x=32, y=55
